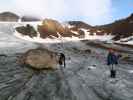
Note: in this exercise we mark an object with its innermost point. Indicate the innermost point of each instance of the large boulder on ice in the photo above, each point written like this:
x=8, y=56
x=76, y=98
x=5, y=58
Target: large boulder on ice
x=39, y=58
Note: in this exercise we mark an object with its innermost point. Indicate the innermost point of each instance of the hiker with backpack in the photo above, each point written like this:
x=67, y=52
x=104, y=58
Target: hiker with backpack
x=112, y=61
x=62, y=60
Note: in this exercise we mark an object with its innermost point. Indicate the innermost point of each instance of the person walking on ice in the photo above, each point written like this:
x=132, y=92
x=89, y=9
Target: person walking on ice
x=62, y=60
x=112, y=61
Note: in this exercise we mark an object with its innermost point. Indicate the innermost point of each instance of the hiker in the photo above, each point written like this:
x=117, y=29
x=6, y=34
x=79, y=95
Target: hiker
x=62, y=60
x=112, y=60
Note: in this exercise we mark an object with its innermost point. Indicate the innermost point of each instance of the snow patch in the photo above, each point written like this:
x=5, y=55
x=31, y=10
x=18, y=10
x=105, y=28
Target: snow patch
x=130, y=71
x=75, y=32
x=38, y=39
x=96, y=37
x=128, y=40
x=91, y=67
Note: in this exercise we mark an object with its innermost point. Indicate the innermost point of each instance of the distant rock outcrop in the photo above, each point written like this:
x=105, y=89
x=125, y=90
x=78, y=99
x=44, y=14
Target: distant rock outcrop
x=52, y=28
x=39, y=58
x=8, y=16
x=27, y=30
x=29, y=19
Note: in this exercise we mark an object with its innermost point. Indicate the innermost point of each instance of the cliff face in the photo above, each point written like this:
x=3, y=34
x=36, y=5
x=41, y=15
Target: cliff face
x=8, y=16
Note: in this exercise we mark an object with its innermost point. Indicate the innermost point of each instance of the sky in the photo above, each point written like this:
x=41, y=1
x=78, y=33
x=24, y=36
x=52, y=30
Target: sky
x=93, y=12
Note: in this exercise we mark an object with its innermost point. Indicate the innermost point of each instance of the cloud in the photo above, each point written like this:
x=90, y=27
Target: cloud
x=43, y=8
x=92, y=11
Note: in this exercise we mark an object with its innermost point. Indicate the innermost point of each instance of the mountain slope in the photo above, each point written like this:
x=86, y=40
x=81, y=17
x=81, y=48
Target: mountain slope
x=117, y=30
x=121, y=28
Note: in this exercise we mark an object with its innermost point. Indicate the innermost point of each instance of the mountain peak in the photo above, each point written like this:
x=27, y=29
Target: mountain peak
x=130, y=17
x=7, y=13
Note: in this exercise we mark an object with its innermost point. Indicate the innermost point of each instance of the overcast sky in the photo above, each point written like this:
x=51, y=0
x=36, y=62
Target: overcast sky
x=93, y=12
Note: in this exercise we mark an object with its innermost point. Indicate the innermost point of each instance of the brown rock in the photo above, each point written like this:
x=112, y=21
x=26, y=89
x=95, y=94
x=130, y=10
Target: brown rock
x=50, y=27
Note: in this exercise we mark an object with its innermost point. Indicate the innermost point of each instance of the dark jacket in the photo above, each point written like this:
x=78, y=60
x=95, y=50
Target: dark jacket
x=112, y=59
x=62, y=59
